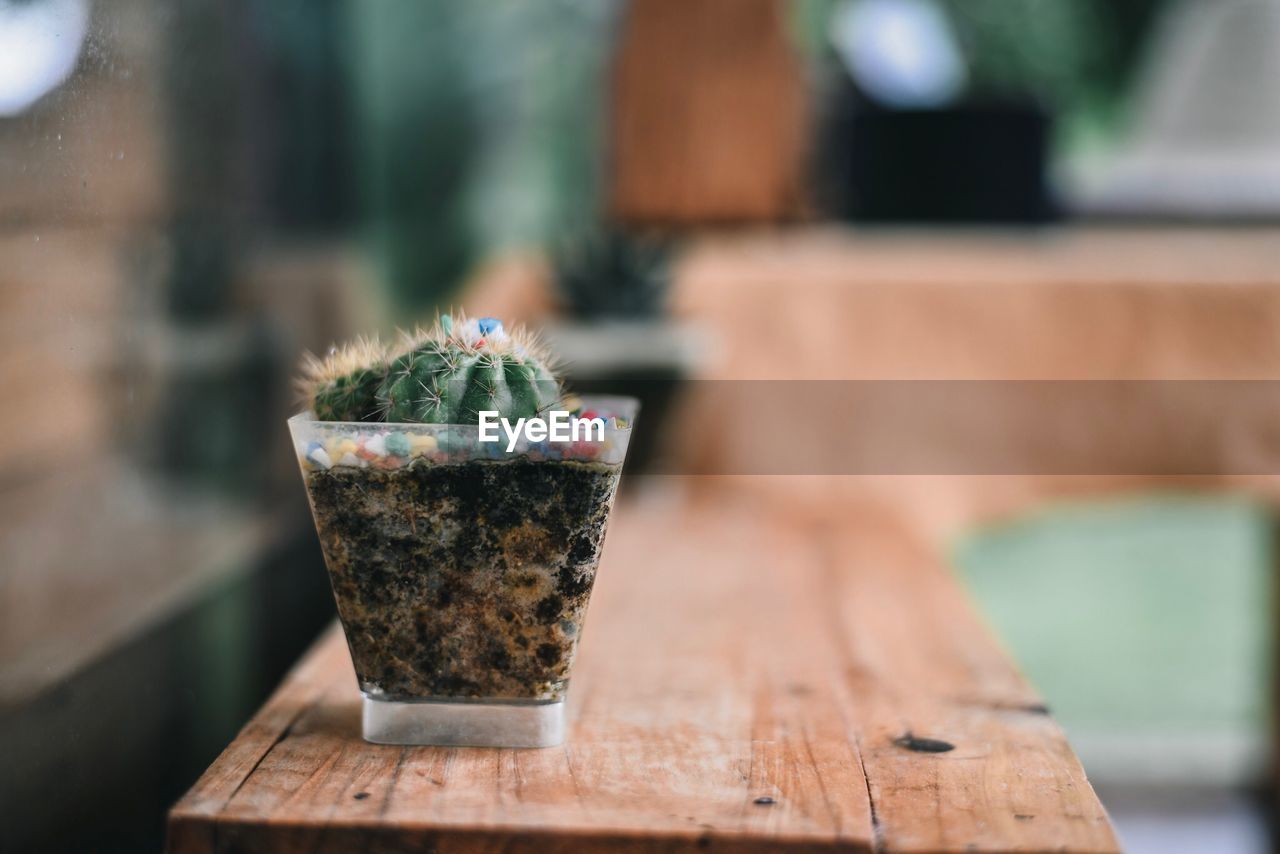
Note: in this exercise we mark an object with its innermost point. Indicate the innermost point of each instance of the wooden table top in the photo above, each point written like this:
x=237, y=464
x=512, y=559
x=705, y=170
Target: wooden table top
x=749, y=680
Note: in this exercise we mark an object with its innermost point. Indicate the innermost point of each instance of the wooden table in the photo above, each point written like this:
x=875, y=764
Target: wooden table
x=749, y=680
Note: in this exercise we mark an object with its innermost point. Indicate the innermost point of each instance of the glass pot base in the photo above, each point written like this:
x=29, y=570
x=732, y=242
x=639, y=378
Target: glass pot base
x=463, y=724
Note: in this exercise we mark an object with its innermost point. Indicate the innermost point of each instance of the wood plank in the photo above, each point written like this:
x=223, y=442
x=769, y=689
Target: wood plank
x=1072, y=303
x=730, y=656
x=324, y=667
x=923, y=671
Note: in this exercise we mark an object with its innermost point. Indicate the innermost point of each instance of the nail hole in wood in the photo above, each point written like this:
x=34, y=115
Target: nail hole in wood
x=923, y=745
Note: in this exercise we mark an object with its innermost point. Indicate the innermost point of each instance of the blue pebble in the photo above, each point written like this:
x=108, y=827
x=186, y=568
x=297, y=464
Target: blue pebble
x=398, y=445
x=489, y=325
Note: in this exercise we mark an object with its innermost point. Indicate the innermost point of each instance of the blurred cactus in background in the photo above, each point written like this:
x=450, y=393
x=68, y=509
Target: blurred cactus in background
x=610, y=274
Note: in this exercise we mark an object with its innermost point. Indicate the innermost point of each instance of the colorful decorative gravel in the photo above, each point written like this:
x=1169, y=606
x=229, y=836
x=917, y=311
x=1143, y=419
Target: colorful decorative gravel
x=390, y=446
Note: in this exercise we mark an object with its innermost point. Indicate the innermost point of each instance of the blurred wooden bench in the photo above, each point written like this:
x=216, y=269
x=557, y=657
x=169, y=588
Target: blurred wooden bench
x=748, y=681
x=1087, y=303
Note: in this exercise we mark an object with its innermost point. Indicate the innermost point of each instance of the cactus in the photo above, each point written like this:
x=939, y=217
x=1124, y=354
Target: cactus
x=611, y=274
x=446, y=375
x=344, y=386
x=460, y=369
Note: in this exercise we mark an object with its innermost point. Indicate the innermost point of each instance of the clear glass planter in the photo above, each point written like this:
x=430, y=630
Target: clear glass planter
x=461, y=570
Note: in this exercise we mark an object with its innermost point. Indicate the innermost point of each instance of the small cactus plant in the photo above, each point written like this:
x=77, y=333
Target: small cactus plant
x=446, y=375
x=609, y=273
x=344, y=387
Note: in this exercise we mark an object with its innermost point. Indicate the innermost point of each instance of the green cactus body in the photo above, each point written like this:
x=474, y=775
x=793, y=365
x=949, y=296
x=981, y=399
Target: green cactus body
x=448, y=383
x=446, y=376
x=344, y=385
x=351, y=397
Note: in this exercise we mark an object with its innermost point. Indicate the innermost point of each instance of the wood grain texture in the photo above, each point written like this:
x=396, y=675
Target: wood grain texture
x=732, y=655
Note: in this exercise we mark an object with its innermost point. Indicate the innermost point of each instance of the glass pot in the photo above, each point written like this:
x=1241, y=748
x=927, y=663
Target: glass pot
x=461, y=569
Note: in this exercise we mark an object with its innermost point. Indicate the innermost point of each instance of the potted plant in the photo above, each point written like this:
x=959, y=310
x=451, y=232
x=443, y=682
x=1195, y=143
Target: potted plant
x=461, y=567
x=616, y=333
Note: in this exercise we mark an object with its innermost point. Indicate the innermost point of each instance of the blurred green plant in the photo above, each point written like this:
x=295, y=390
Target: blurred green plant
x=1074, y=55
x=302, y=113
x=416, y=137
x=477, y=125
x=1140, y=618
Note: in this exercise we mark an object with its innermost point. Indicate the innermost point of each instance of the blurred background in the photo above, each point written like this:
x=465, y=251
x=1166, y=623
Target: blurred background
x=193, y=193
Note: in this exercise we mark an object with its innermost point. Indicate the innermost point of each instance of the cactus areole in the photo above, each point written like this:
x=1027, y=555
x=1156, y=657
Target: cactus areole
x=446, y=375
